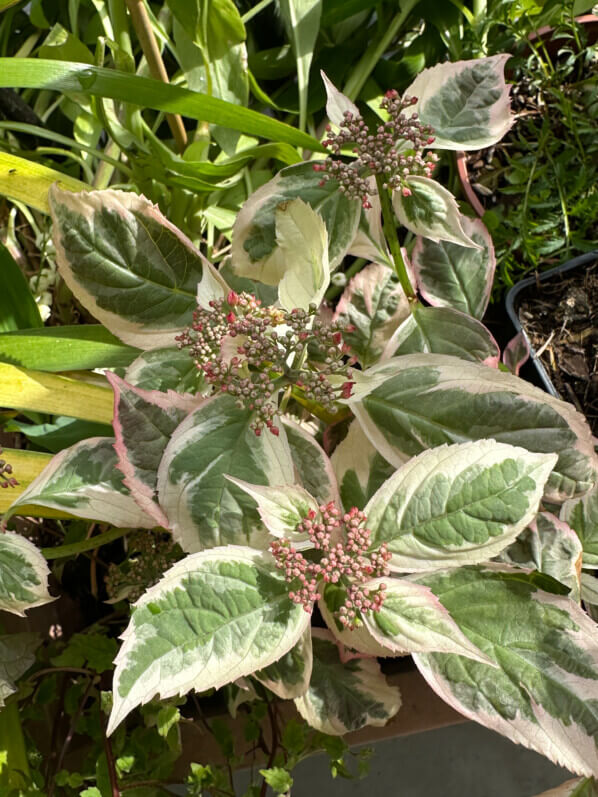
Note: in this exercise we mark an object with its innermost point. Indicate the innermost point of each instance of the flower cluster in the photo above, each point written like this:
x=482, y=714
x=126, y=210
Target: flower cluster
x=150, y=555
x=6, y=477
x=346, y=562
x=251, y=352
x=395, y=151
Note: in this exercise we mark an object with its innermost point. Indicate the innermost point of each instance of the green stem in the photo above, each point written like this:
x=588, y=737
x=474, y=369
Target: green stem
x=85, y=545
x=255, y=10
x=390, y=231
x=373, y=54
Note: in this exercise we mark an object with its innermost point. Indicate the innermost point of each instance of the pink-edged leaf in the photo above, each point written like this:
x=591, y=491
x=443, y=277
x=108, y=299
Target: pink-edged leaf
x=516, y=353
x=541, y=690
x=431, y=211
x=144, y=421
x=450, y=275
x=337, y=104
x=442, y=330
x=372, y=306
x=466, y=103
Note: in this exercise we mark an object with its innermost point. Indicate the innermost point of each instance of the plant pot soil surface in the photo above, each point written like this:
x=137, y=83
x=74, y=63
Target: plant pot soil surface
x=560, y=318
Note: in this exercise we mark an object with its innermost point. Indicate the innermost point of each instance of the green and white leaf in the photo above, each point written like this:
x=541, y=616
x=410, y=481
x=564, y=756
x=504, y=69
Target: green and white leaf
x=301, y=19
x=582, y=515
x=336, y=102
x=302, y=240
x=17, y=654
x=214, y=617
x=23, y=575
x=451, y=275
x=431, y=211
x=282, y=509
x=375, y=305
x=165, y=369
x=289, y=676
x=312, y=467
x=441, y=330
x=550, y=546
x=578, y=787
x=204, y=509
x=542, y=691
x=466, y=102
x=419, y=401
x=456, y=505
x=345, y=697
x=126, y=263
x=359, y=639
x=359, y=468
x=255, y=253
x=84, y=481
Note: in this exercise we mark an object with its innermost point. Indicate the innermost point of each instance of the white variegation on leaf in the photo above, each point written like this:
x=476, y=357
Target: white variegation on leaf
x=451, y=275
x=418, y=401
x=441, y=330
x=17, y=654
x=302, y=240
x=542, y=691
x=372, y=307
x=582, y=515
x=578, y=787
x=255, y=253
x=289, y=676
x=344, y=697
x=84, y=481
x=214, y=617
x=211, y=286
x=204, y=509
x=165, y=369
x=312, y=466
x=430, y=210
x=282, y=509
x=358, y=638
x=336, y=102
x=23, y=575
x=550, y=546
x=359, y=468
x=456, y=505
x=127, y=264
x=516, y=353
x=466, y=102
x=369, y=241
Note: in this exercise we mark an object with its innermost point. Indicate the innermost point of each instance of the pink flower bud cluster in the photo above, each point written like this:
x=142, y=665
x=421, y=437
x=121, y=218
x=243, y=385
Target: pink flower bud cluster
x=259, y=366
x=395, y=151
x=6, y=477
x=346, y=562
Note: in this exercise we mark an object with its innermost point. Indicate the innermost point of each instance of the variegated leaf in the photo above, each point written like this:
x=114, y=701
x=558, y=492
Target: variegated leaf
x=432, y=211
x=578, y=787
x=144, y=421
x=17, y=654
x=214, y=617
x=451, y=275
x=336, y=102
x=457, y=504
x=289, y=676
x=281, y=509
x=255, y=254
x=359, y=468
x=516, y=353
x=204, y=509
x=441, y=330
x=359, y=638
x=345, y=697
x=84, y=481
x=302, y=240
x=165, y=369
x=23, y=575
x=127, y=264
x=466, y=102
x=313, y=468
x=372, y=306
x=582, y=515
x=369, y=241
x=542, y=691
x=550, y=546
x=419, y=401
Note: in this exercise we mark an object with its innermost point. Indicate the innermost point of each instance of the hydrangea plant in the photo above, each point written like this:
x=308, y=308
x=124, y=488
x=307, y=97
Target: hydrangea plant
x=379, y=463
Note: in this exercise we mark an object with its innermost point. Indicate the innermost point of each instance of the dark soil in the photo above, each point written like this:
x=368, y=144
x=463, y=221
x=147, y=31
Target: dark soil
x=560, y=317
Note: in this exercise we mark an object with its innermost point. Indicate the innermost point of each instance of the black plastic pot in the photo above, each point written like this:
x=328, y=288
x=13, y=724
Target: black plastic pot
x=512, y=304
